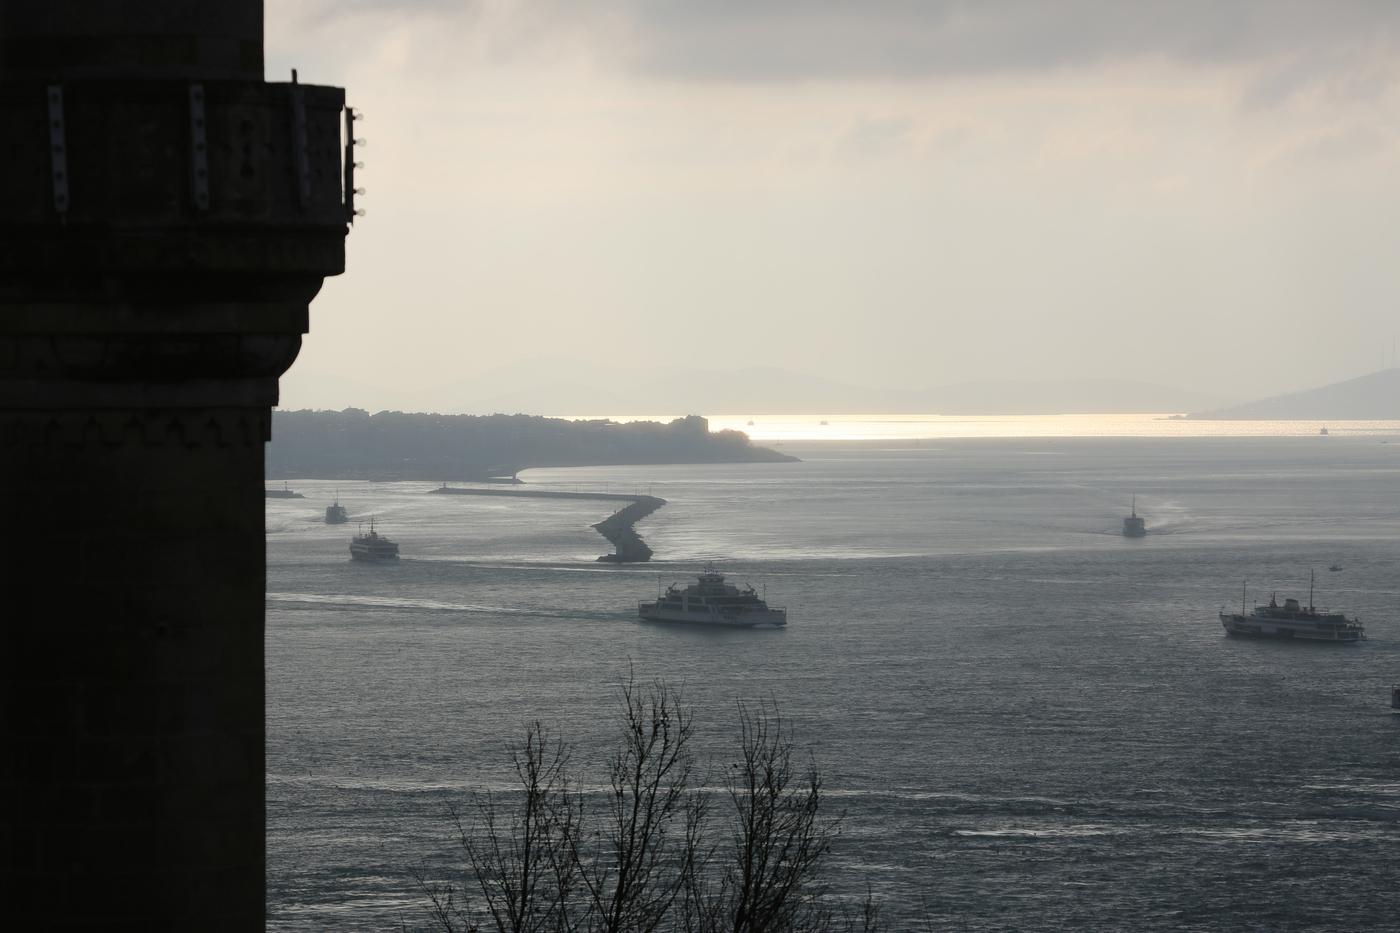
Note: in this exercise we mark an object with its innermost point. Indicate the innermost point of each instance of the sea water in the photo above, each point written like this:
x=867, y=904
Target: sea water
x=1028, y=721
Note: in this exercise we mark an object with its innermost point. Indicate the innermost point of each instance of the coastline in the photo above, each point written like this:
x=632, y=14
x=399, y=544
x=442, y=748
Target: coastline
x=771, y=429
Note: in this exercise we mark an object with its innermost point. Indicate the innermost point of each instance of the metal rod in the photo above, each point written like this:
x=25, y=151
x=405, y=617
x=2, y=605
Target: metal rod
x=349, y=168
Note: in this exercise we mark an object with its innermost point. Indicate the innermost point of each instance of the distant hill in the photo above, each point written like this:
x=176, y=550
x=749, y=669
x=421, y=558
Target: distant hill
x=621, y=391
x=1372, y=397
x=578, y=388
x=395, y=445
x=1060, y=396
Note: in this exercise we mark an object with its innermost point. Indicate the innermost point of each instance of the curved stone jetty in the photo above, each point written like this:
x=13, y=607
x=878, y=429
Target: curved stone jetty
x=617, y=527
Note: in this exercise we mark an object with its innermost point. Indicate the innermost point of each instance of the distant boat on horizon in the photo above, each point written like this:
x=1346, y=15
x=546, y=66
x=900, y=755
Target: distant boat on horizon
x=335, y=513
x=283, y=493
x=1134, y=526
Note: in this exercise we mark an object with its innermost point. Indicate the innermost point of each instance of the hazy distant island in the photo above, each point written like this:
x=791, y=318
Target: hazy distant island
x=353, y=444
x=1373, y=397
x=578, y=388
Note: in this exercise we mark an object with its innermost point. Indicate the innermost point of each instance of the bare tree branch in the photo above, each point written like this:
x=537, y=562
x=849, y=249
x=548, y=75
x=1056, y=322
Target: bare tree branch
x=520, y=859
x=772, y=885
x=643, y=860
x=647, y=848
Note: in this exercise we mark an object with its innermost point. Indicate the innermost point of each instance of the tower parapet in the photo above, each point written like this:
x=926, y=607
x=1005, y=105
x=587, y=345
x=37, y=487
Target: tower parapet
x=166, y=217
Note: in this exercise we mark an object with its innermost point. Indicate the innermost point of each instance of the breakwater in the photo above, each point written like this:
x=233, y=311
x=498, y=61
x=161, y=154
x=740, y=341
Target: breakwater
x=618, y=528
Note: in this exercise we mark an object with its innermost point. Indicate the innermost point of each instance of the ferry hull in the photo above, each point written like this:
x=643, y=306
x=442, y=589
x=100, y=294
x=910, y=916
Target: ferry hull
x=770, y=617
x=1250, y=627
x=370, y=555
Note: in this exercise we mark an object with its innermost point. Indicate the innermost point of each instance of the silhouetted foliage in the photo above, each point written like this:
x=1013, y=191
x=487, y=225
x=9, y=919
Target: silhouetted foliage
x=395, y=445
x=523, y=859
x=644, y=858
x=780, y=839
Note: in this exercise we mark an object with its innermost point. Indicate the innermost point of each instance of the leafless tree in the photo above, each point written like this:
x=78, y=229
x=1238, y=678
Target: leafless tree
x=771, y=879
x=650, y=843
x=865, y=917
x=520, y=859
x=643, y=860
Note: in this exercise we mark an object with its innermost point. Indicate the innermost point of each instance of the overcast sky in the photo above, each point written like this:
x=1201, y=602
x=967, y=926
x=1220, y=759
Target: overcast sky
x=1202, y=194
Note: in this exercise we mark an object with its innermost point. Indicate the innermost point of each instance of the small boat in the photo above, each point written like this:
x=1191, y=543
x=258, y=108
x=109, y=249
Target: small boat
x=283, y=493
x=1134, y=526
x=1291, y=620
x=1334, y=568
x=373, y=546
x=711, y=602
x=336, y=514
x=1395, y=697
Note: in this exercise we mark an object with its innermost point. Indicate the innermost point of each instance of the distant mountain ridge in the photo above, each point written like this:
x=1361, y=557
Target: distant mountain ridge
x=1061, y=396
x=565, y=387
x=1373, y=397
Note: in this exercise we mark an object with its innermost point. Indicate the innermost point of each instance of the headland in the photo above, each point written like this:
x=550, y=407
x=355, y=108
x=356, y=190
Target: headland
x=394, y=445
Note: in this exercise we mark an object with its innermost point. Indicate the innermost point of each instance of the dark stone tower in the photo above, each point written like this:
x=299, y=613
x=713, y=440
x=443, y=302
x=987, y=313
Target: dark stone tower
x=166, y=216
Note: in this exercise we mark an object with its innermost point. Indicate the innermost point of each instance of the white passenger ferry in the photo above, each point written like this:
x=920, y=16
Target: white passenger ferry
x=711, y=602
x=1291, y=620
x=373, y=546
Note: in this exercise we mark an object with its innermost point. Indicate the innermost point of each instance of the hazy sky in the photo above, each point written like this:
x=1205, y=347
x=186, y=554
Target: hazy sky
x=1203, y=194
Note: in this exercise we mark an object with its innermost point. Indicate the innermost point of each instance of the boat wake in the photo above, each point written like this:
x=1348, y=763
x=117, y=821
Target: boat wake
x=294, y=601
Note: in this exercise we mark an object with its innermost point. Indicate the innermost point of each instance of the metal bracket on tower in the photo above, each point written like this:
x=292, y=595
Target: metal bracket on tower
x=350, y=166
x=58, y=149
x=199, y=149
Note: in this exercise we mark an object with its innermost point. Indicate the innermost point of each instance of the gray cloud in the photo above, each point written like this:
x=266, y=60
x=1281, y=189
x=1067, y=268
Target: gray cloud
x=805, y=39
x=874, y=137
x=779, y=40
